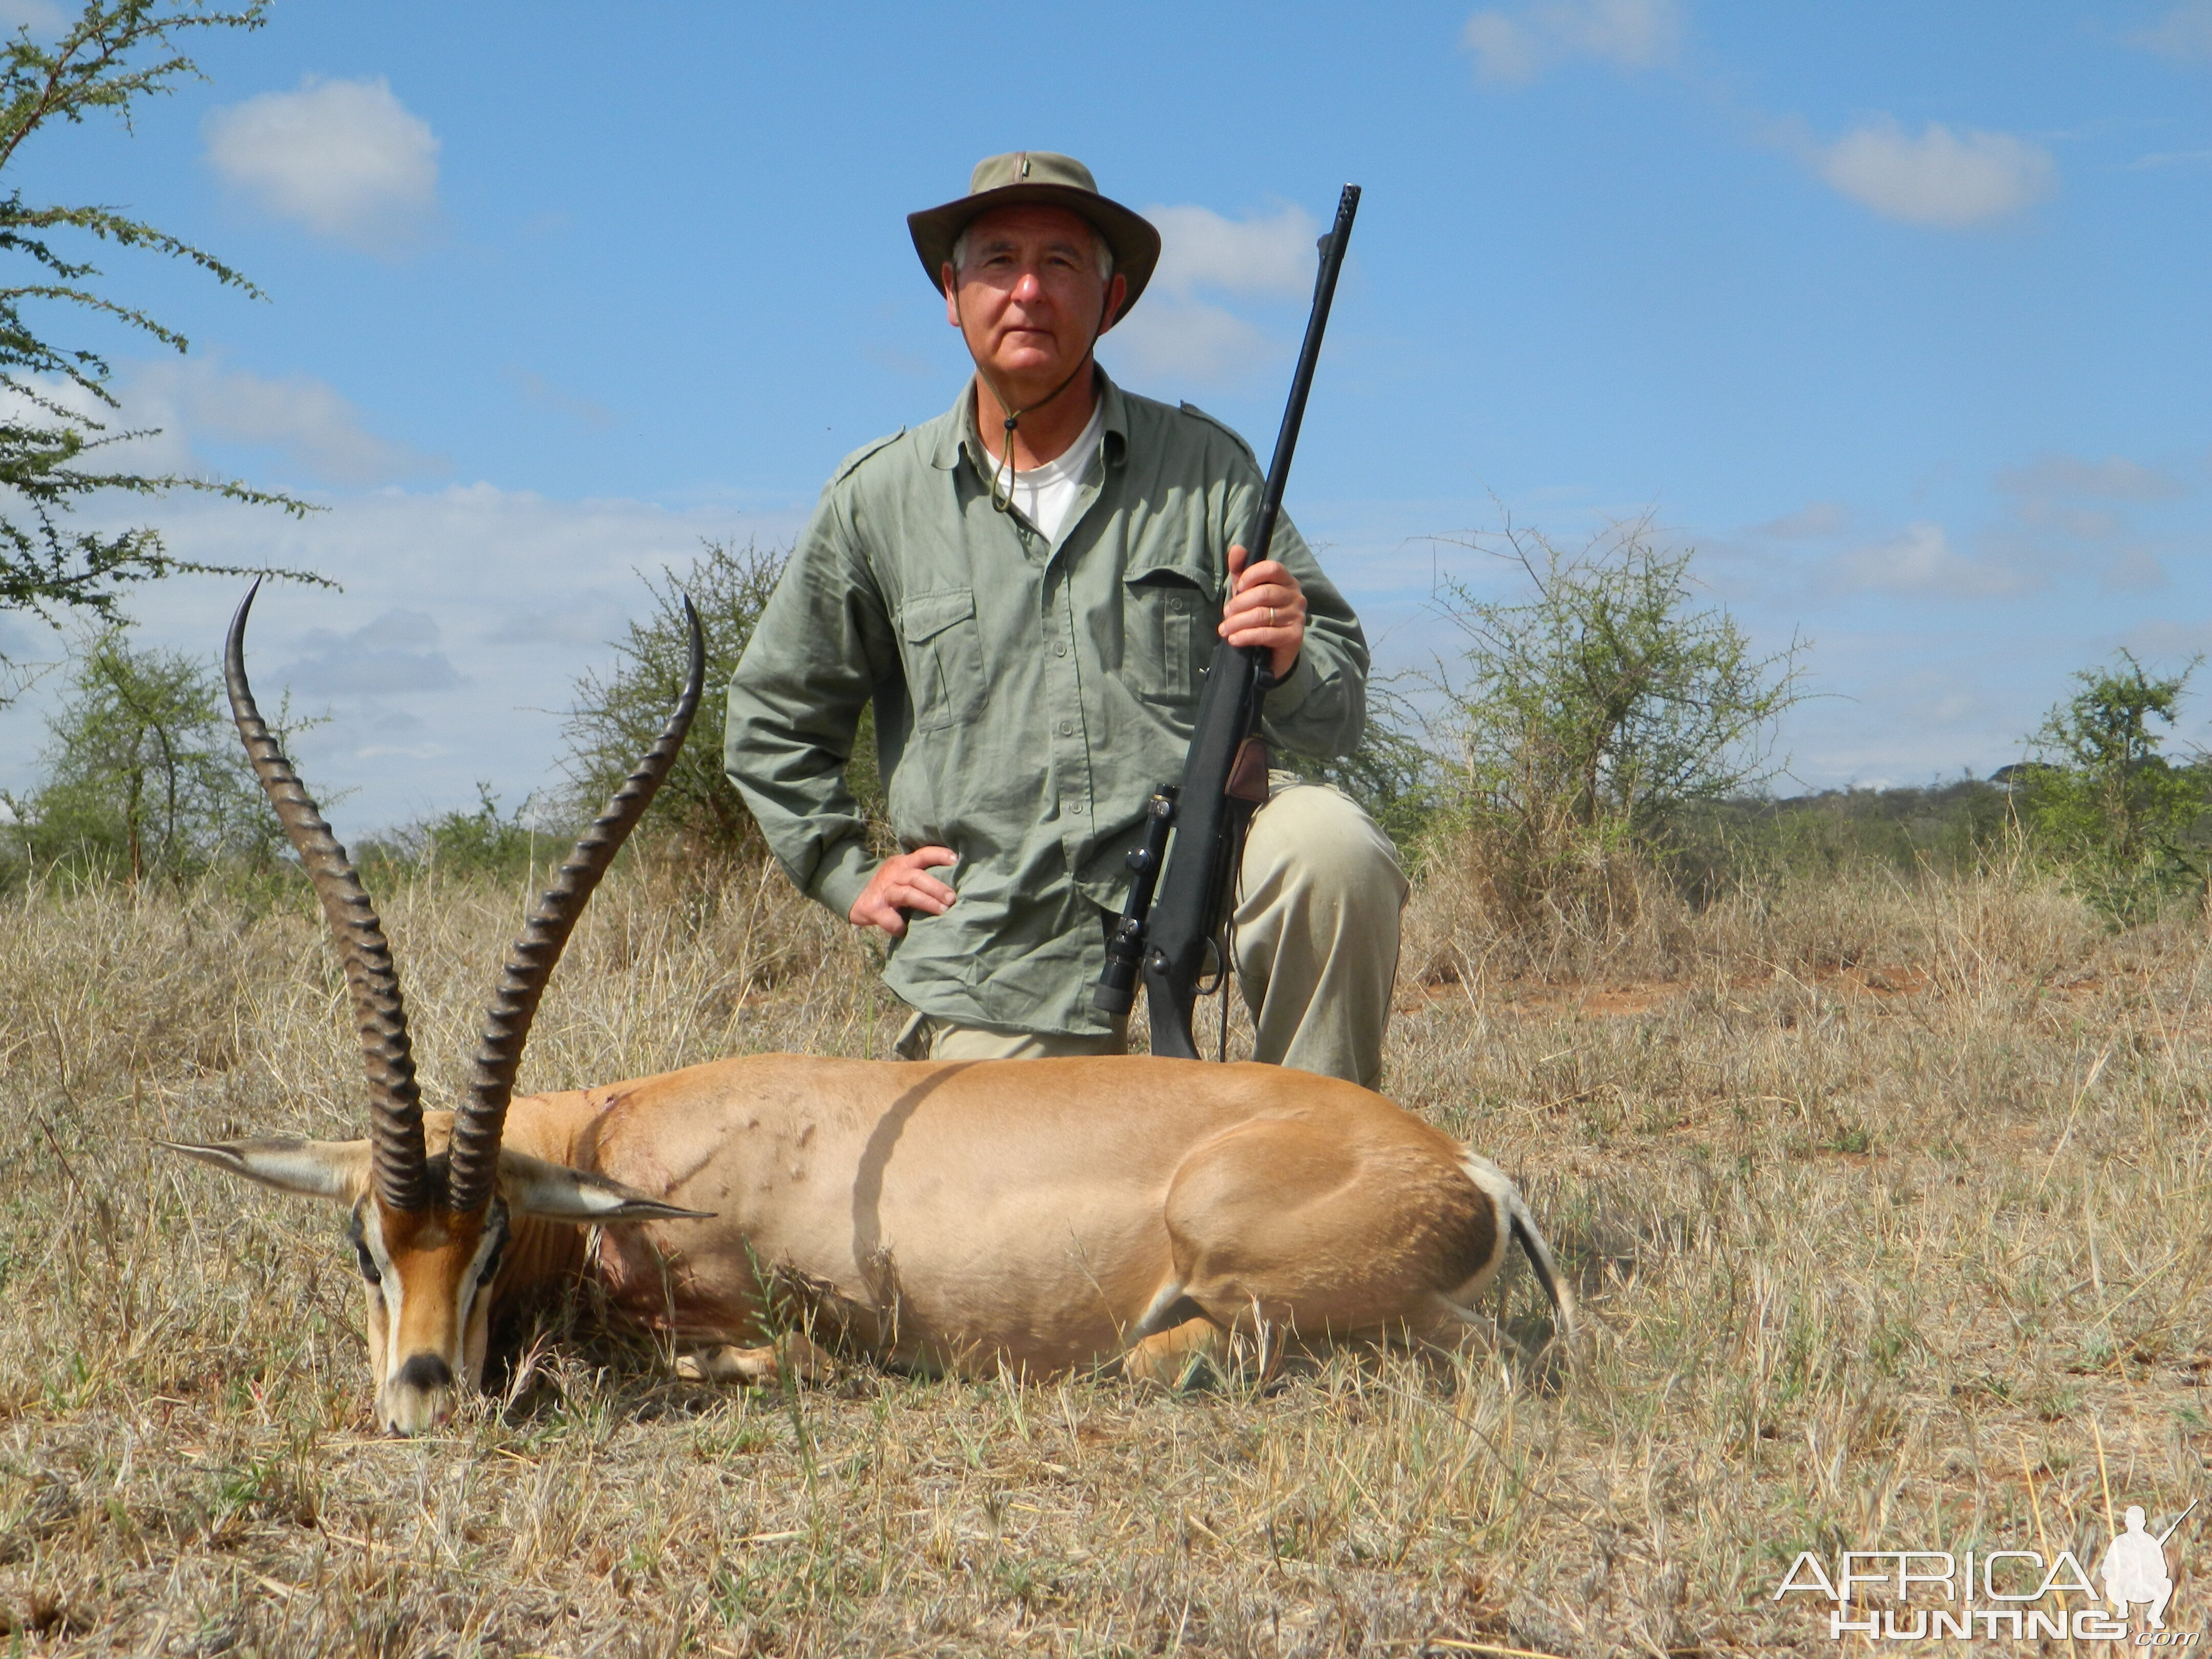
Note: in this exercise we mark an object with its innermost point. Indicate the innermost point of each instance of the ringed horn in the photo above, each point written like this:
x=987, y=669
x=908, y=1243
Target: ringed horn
x=401, y=1168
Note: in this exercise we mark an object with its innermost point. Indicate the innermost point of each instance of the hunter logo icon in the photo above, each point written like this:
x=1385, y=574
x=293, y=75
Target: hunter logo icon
x=1987, y=1594
x=2134, y=1567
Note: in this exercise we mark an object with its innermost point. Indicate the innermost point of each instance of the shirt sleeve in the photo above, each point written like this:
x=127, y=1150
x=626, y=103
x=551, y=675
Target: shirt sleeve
x=821, y=645
x=1321, y=709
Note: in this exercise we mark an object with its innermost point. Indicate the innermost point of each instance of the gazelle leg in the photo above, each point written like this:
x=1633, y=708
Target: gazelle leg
x=1167, y=1357
x=727, y=1363
x=762, y=1366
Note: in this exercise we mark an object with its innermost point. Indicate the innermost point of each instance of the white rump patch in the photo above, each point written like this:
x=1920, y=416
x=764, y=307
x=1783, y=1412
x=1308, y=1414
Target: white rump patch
x=1504, y=1198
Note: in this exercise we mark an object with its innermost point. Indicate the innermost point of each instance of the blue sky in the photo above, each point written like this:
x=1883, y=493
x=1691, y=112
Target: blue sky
x=1897, y=313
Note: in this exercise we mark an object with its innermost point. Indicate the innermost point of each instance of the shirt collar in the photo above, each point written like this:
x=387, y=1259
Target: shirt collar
x=957, y=431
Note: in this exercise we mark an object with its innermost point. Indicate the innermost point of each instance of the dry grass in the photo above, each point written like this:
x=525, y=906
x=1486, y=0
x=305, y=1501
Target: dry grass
x=1888, y=1204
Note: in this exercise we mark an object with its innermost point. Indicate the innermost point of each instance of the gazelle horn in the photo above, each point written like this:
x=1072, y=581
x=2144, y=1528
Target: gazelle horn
x=395, y=1100
x=478, y=1124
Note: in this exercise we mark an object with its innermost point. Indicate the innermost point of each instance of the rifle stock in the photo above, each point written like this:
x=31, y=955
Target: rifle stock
x=1224, y=776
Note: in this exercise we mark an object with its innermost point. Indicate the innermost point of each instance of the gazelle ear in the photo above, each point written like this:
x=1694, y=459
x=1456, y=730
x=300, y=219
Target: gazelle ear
x=336, y=1170
x=557, y=1193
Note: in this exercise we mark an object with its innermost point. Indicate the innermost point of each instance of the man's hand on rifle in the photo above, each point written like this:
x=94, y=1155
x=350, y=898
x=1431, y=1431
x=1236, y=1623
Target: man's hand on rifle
x=901, y=885
x=1267, y=607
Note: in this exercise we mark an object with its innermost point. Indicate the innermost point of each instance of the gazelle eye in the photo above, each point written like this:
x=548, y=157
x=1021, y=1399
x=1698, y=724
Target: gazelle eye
x=497, y=1247
x=356, y=1237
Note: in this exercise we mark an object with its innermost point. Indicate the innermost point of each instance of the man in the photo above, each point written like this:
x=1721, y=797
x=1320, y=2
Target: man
x=1029, y=587
x=2133, y=1570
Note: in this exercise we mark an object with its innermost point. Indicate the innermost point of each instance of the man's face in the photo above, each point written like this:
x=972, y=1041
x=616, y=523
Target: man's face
x=1028, y=297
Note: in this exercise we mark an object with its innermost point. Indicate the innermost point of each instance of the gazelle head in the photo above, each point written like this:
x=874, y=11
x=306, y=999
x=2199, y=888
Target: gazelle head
x=428, y=1232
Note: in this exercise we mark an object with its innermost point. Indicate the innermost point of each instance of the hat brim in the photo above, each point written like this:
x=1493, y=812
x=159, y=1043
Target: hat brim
x=1135, y=243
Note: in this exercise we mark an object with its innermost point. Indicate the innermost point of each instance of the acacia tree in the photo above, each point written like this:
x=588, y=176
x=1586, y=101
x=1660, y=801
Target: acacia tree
x=142, y=774
x=53, y=423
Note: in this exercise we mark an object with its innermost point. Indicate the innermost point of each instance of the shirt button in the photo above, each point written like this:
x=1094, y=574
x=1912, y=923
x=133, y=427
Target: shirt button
x=1067, y=728
x=1060, y=651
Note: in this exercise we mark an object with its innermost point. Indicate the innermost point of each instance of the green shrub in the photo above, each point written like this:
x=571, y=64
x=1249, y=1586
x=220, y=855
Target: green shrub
x=2101, y=802
x=468, y=843
x=616, y=716
x=1580, y=723
x=1392, y=774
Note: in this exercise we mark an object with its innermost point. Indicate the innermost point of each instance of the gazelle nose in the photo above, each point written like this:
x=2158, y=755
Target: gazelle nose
x=425, y=1372
x=419, y=1396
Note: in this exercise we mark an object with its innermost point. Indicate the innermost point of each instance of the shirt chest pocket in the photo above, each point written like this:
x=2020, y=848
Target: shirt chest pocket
x=944, y=651
x=1168, y=633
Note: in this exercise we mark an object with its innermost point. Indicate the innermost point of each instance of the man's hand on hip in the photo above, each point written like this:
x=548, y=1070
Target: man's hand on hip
x=1267, y=607
x=901, y=885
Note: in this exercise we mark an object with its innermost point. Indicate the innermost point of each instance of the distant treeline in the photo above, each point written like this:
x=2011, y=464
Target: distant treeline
x=1601, y=732
x=1951, y=829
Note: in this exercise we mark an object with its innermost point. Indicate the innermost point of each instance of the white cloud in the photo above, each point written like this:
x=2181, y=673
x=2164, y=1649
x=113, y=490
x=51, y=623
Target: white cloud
x=537, y=389
x=1811, y=522
x=345, y=158
x=2059, y=521
x=2186, y=32
x=1513, y=48
x=171, y=408
x=2073, y=523
x=305, y=418
x=2170, y=158
x=2136, y=571
x=1941, y=178
x=1921, y=561
x=2115, y=477
x=1176, y=335
x=2167, y=637
x=1272, y=254
x=396, y=655
x=1189, y=341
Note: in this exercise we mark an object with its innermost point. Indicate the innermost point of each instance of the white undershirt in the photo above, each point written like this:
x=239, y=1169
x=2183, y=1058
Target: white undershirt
x=1045, y=494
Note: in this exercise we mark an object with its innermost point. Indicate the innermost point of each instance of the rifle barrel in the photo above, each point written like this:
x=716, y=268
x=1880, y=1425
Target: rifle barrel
x=2178, y=1520
x=1294, y=413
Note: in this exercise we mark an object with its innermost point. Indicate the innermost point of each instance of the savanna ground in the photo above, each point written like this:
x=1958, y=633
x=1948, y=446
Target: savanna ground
x=1886, y=1201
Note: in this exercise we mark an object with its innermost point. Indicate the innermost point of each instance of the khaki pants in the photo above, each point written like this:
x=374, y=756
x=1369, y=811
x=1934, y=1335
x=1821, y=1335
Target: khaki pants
x=1316, y=940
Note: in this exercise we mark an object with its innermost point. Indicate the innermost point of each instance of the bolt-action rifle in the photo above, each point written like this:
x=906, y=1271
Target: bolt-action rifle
x=1224, y=775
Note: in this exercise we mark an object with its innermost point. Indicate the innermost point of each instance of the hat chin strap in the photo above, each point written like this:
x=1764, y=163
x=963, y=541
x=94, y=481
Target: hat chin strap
x=1005, y=463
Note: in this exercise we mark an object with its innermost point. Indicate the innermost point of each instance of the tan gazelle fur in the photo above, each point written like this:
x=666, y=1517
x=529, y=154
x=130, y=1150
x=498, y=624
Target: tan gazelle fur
x=1043, y=1215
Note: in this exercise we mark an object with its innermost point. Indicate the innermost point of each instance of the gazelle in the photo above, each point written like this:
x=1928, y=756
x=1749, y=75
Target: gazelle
x=1042, y=1215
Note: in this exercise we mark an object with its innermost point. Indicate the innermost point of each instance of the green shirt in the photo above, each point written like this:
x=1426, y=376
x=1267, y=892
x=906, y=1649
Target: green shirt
x=1031, y=693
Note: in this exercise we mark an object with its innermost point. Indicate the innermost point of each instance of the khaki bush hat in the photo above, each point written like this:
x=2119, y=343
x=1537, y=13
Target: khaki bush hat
x=1038, y=175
